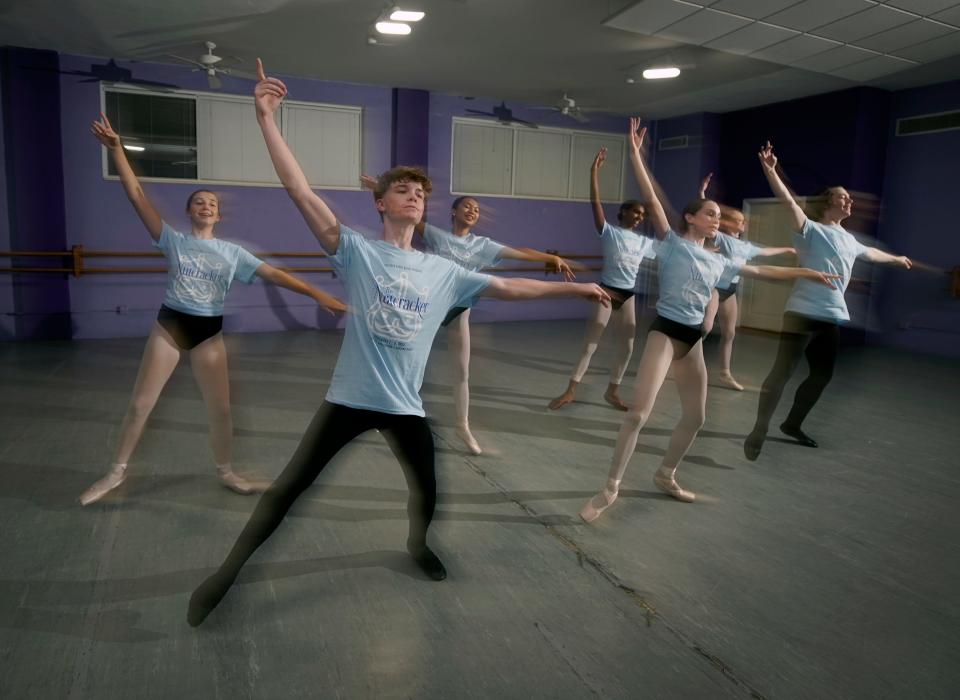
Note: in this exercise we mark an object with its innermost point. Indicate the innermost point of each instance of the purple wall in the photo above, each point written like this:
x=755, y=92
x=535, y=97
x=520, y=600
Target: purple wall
x=261, y=218
x=920, y=192
x=7, y=331
x=533, y=223
x=680, y=171
x=411, y=128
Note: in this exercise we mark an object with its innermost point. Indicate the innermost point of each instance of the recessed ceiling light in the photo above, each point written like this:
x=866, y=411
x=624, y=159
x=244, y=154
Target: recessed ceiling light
x=660, y=73
x=134, y=148
x=393, y=28
x=399, y=15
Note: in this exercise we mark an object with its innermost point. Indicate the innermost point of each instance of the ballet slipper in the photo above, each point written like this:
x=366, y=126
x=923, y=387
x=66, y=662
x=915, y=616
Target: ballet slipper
x=111, y=480
x=596, y=505
x=233, y=481
x=463, y=432
x=726, y=379
x=665, y=481
x=564, y=398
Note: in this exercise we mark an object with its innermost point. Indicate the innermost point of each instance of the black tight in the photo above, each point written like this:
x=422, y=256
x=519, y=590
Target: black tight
x=817, y=340
x=331, y=429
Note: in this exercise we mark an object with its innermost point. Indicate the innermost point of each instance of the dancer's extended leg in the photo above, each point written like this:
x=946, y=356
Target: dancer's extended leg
x=625, y=321
x=160, y=358
x=690, y=374
x=821, y=354
x=458, y=340
x=728, y=329
x=596, y=324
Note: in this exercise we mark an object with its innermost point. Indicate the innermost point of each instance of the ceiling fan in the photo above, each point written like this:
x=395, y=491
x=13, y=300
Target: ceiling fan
x=504, y=115
x=110, y=72
x=567, y=106
x=211, y=64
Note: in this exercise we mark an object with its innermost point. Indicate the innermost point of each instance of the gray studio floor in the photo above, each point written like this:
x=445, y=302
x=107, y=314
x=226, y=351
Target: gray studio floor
x=828, y=573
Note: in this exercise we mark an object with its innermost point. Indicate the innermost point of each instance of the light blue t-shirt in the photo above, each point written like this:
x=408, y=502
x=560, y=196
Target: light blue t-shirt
x=199, y=271
x=470, y=251
x=688, y=274
x=827, y=249
x=397, y=299
x=623, y=251
x=737, y=250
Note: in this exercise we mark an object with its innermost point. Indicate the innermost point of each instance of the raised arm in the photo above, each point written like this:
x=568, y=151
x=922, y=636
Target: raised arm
x=702, y=193
x=773, y=272
x=131, y=185
x=769, y=162
x=520, y=289
x=657, y=215
x=878, y=256
x=283, y=279
x=268, y=94
x=558, y=263
x=598, y=218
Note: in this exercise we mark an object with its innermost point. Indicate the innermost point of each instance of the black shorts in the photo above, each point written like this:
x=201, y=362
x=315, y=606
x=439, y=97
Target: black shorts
x=188, y=331
x=452, y=314
x=688, y=335
x=618, y=296
x=728, y=292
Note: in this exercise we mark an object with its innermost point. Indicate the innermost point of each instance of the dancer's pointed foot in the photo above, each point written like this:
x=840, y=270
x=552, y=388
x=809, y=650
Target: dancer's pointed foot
x=207, y=597
x=753, y=444
x=561, y=401
x=233, y=481
x=595, y=506
x=111, y=480
x=798, y=435
x=664, y=480
x=428, y=562
x=725, y=379
x=612, y=397
x=463, y=432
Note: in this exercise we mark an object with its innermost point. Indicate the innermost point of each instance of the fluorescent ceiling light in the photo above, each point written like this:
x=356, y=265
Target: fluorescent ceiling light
x=399, y=15
x=134, y=148
x=660, y=73
x=393, y=28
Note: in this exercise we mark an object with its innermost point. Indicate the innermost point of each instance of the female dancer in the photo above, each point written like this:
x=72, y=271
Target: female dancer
x=688, y=274
x=812, y=315
x=624, y=248
x=400, y=297
x=472, y=252
x=727, y=242
x=201, y=269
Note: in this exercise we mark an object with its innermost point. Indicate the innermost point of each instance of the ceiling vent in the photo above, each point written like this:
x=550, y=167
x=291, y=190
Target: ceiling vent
x=674, y=143
x=928, y=123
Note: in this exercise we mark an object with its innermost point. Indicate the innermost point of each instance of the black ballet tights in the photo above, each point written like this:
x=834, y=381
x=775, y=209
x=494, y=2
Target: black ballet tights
x=801, y=336
x=334, y=426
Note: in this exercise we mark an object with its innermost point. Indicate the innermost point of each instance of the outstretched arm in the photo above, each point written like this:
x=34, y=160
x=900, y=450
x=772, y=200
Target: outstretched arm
x=519, y=289
x=768, y=252
x=131, y=185
x=657, y=216
x=598, y=218
x=268, y=94
x=878, y=256
x=283, y=279
x=769, y=162
x=558, y=263
x=772, y=272
x=704, y=185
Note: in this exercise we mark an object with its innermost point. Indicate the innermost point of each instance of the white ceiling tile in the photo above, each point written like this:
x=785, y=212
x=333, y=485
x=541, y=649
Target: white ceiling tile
x=649, y=16
x=809, y=14
x=915, y=32
x=794, y=49
x=933, y=50
x=703, y=26
x=751, y=38
x=873, y=21
x=922, y=7
x=834, y=59
x=951, y=16
x=756, y=9
x=872, y=68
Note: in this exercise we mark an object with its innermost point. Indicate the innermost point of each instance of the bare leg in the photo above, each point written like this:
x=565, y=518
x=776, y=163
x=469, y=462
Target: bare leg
x=690, y=374
x=626, y=326
x=458, y=340
x=209, y=363
x=710, y=313
x=160, y=358
x=728, y=329
x=596, y=324
x=656, y=359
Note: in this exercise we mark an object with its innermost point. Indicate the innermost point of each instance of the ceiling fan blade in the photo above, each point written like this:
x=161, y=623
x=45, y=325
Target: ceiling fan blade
x=249, y=75
x=477, y=111
x=187, y=60
x=514, y=120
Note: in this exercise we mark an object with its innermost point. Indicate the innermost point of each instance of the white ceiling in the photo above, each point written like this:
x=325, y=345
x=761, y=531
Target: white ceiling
x=736, y=53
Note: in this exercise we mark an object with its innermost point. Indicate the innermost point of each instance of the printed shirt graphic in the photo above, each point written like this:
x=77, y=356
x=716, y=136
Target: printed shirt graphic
x=471, y=251
x=623, y=251
x=397, y=300
x=827, y=249
x=737, y=250
x=688, y=274
x=199, y=272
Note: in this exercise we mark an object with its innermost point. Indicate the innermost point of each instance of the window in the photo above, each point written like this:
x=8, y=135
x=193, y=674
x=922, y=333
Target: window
x=207, y=137
x=545, y=163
